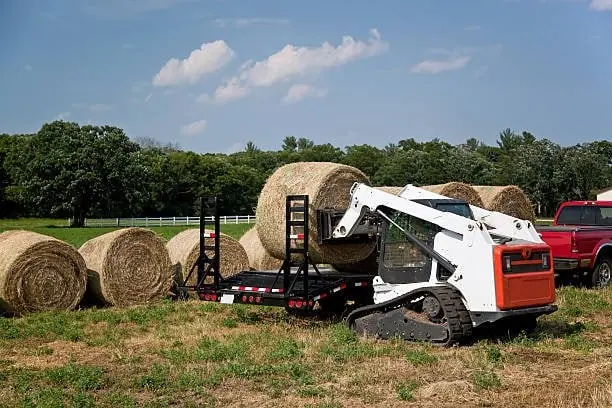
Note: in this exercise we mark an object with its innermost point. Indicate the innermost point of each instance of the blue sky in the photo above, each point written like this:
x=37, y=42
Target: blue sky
x=211, y=75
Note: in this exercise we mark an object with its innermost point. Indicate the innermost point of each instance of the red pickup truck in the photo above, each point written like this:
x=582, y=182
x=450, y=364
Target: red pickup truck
x=581, y=241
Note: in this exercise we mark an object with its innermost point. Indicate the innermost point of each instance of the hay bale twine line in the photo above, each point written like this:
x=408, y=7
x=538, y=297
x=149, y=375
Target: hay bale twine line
x=259, y=258
x=39, y=273
x=127, y=267
x=184, y=249
x=509, y=200
x=458, y=190
x=328, y=186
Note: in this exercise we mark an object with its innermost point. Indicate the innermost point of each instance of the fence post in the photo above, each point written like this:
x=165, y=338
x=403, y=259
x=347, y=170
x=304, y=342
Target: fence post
x=173, y=220
x=117, y=222
x=146, y=221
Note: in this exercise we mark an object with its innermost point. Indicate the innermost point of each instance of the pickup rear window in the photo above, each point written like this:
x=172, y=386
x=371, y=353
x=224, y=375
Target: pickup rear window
x=585, y=215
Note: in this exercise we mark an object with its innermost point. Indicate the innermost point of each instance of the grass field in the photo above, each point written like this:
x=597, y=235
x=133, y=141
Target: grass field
x=78, y=236
x=195, y=354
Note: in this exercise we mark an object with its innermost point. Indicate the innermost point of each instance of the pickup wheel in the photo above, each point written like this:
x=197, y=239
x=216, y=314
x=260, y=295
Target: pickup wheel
x=602, y=273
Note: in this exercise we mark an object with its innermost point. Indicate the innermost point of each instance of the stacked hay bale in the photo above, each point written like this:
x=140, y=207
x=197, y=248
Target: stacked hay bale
x=328, y=187
x=39, y=273
x=127, y=267
x=510, y=200
x=184, y=249
x=460, y=191
x=259, y=258
x=390, y=189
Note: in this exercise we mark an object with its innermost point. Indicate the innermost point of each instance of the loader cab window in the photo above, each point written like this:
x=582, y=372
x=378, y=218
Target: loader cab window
x=402, y=261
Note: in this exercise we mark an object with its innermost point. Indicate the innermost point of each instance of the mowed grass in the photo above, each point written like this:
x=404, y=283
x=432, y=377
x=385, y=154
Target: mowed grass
x=78, y=236
x=196, y=354
x=184, y=354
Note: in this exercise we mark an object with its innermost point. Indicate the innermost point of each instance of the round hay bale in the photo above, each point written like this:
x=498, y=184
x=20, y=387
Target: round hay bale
x=367, y=266
x=127, y=267
x=184, y=249
x=259, y=258
x=510, y=200
x=460, y=191
x=39, y=273
x=390, y=189
x=328, y=186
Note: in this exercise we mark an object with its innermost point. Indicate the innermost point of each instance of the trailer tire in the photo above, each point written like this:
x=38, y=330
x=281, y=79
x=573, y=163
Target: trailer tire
x=602, y=273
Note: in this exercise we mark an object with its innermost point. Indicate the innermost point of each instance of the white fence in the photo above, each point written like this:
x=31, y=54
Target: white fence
x=165, y=221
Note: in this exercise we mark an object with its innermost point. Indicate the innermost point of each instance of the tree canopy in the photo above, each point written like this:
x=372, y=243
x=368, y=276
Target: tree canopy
x=68, y=170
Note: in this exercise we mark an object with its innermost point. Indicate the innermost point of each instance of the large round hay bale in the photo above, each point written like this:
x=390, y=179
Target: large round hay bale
x=328, y=186
x=39, y=273
x=184, y=249
x=259, y=258
x=367, y=266
x=390, y=189
x=510, y=200
x=127, y=267
x=460, y=191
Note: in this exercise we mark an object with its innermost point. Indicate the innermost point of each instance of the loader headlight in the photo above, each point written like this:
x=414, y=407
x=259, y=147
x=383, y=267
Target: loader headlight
x=545, y=261
x=507, y=263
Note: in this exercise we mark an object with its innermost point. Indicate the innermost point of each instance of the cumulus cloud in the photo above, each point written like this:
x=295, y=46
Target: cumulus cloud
x=601, y=5
x=209, y=58
x=298, y=92
x=194, y=128
x=431, y=66
x=292, y=62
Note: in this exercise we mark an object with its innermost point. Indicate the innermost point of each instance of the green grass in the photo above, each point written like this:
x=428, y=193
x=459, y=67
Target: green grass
x=78, y=236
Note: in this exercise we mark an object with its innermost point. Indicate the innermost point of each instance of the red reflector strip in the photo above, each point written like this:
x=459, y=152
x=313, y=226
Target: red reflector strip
x=208, y=235
x=297, y=236
x=256, y=289
x=358, y=284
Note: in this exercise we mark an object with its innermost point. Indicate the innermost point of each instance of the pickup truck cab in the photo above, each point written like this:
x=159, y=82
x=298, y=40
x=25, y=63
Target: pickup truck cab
x=581, y=241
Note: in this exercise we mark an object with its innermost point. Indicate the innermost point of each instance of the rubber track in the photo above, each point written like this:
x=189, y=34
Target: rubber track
x=457, y=316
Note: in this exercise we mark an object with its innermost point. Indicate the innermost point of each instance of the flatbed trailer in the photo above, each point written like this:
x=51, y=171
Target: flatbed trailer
x=298, y=285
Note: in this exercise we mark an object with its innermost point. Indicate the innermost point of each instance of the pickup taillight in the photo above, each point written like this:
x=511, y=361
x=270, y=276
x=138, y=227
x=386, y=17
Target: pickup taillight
x=573, y=244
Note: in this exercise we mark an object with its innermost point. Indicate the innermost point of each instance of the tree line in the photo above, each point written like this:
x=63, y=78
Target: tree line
x=68, y=170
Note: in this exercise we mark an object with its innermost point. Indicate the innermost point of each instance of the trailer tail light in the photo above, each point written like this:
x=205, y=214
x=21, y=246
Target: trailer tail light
x=546, y=260
x=291, y=303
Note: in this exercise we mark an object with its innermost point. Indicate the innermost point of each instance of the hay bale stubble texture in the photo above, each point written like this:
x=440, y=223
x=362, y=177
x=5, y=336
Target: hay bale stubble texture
x=510, y=200
x=259, y=258
x=39, y=273
x=460, y=191
x=328, y=186
x=127, y=267
x=184, y=249
x=390, y=189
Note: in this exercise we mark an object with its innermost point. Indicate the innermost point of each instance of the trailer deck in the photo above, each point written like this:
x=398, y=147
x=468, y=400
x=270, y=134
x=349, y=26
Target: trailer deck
x=298, y=284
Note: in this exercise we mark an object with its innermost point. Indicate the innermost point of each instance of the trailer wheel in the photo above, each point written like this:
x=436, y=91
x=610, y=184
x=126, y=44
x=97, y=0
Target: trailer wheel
x=602, y=273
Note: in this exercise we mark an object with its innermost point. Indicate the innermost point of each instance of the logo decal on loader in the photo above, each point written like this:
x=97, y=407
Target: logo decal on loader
x=526, y=253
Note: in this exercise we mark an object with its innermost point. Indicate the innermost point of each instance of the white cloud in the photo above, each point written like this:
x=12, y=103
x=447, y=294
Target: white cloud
x=194, y=128
x=62, y=116
x=148, y=98
x=249, y=22
x=28, y=67
x=298, y=92
x=100, y=107
x=438, y=66
x=601, y=5
x=228, y=92
x=293, y=61
x=209, y=58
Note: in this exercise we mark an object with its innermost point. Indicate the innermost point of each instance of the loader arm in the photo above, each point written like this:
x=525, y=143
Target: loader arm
x=498, y=223
x=367, y=200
